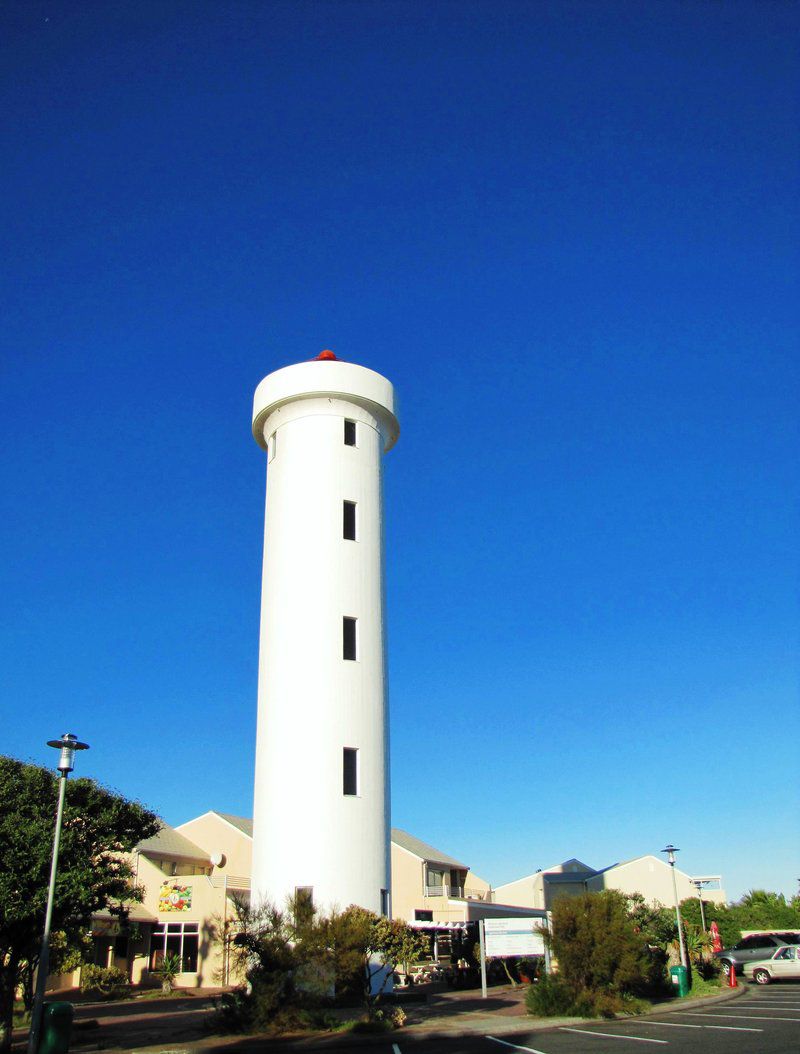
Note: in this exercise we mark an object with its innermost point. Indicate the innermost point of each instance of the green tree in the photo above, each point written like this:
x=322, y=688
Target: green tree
x=761, y=909
x=99, y=829
x=597, y=946
x=295, y=960
x=730, y=930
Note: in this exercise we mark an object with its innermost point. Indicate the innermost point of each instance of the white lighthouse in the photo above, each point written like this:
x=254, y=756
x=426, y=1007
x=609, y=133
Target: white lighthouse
x=321, y=810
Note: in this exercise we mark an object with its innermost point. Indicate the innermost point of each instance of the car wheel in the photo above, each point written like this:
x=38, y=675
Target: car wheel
x=726, y=967
x=761, y=977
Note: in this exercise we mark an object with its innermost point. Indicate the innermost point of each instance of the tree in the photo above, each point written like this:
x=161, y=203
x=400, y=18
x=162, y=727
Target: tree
x=761, y=909
x=597, y=945
x=99, y=829
x=296, y=959
x=730, y=929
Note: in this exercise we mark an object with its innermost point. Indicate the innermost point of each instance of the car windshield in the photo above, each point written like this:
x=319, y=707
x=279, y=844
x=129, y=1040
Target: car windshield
x=790, y=938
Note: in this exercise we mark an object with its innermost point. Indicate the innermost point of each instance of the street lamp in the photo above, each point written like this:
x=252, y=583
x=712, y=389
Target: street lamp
x=68, y=744
x=670, y=850
x=699, y=887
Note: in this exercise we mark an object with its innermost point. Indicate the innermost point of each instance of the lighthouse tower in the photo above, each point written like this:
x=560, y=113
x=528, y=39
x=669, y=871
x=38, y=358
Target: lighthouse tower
x=321, y=809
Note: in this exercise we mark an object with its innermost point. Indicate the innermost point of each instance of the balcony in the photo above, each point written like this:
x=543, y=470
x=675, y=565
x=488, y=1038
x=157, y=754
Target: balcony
x=457, y=892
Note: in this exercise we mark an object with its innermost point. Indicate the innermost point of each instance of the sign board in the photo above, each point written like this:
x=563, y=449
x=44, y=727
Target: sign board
x=506, y=937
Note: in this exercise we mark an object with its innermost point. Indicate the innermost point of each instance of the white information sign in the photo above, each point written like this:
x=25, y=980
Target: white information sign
x=513, y=937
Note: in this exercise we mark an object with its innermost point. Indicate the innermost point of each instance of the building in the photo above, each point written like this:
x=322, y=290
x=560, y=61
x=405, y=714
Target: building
x=649, y=875
x=194, y=875
x=190, y=889
x=321, y=806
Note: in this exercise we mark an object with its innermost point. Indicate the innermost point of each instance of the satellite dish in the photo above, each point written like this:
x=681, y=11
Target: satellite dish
x=217, y=859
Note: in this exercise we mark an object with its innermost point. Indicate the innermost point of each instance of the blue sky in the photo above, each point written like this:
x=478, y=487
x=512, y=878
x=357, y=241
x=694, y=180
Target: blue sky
x=568, y=233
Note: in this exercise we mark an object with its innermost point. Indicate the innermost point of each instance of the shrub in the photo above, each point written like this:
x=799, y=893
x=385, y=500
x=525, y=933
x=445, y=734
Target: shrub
x=597, y=944
x=550, y=997
x=104, y=982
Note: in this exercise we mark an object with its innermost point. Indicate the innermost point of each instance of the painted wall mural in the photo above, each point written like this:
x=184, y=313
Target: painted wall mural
x=174, y=897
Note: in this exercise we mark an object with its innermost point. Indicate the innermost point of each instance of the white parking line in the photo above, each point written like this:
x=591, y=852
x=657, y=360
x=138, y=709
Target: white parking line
x=395, y=1049
x=739, y=1017
x=768, y=1006
x=514, y=1046
x=726, y=1028
x=611, y=1035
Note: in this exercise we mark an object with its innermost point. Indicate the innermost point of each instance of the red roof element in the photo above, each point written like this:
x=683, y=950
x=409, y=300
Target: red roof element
x=325, y=356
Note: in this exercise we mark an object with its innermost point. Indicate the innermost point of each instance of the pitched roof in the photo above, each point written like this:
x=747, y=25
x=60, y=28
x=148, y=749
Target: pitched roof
x=170, y=843
x=241, y=823
x=635, y=860
x=423, y=850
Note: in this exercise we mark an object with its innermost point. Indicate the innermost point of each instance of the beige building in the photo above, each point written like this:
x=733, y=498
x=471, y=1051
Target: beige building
x=193, y=875
x=429, y=885
x=648, y=875
x=190, y=877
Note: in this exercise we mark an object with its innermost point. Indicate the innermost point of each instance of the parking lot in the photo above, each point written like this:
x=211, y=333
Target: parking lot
x=762, y=1021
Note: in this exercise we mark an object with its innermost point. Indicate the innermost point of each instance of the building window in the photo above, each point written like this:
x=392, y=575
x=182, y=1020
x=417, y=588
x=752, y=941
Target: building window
x=349, y=635
x=271, y=446
x=349, y=433
x=385, y=903
x=349, y=521
x=422, y=916
x=303, y=904
x=175, y=938
x=350, y=770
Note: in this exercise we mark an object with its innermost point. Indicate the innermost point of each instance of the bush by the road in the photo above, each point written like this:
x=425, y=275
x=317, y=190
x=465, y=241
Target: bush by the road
x=104, y=982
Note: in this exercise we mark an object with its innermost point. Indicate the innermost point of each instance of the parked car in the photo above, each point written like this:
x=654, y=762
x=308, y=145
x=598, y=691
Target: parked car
x=783, y=964
x=751, y=949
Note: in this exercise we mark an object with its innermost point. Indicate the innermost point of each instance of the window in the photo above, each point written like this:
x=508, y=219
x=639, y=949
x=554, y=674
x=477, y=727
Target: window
x=303, y=904
x=350, y=770
x=385, y=903
x=423, y=916
x=271, y=446
x=349, y=650
x=175, y=938
x=349, y=433
x=349, y=520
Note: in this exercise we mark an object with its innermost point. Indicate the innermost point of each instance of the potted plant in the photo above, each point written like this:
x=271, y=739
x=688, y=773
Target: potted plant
x=167, y=970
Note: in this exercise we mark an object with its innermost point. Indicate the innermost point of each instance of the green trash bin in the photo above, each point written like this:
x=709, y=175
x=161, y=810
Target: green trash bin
x=679, y=976
x=56, y=1028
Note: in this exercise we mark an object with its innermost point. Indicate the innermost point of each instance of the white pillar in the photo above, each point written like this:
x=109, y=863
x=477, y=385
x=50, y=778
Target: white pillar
x=313, y=703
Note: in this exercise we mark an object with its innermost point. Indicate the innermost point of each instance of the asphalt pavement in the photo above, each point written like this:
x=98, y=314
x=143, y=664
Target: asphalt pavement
x=761, y=1021
x=754, y=1020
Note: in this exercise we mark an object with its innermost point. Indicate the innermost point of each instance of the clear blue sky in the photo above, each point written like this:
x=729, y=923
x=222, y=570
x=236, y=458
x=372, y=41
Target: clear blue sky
x=568, y=234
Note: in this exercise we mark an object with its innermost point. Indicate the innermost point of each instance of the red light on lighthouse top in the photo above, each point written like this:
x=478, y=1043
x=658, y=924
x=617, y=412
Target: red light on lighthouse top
x=325, y=356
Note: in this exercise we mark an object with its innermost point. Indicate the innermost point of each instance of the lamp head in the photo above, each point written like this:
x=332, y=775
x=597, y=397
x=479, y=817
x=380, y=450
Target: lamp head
x=68, y=744
x=670, y=850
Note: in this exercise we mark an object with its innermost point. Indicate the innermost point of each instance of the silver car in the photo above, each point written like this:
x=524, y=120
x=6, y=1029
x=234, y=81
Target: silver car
x=783, y=964
x=753, y=948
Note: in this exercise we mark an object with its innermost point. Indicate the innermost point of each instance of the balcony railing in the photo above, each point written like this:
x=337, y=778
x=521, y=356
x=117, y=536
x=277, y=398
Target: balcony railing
x=459, y=892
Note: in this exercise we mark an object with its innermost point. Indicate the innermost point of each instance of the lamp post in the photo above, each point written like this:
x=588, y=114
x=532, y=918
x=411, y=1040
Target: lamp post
x=68, y=744
x=699, y=888
x=670, y=850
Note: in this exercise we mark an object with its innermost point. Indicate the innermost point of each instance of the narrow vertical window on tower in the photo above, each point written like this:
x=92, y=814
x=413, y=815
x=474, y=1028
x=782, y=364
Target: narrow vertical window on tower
x=349, y=520
x=349, y=433
x=350, y=771
x=303, y=907
x=349, y=638
x=271, y=446
x=385, y=903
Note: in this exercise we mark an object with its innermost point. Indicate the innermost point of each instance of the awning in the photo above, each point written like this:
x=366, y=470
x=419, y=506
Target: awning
x=136, y=913
x=421, y=925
